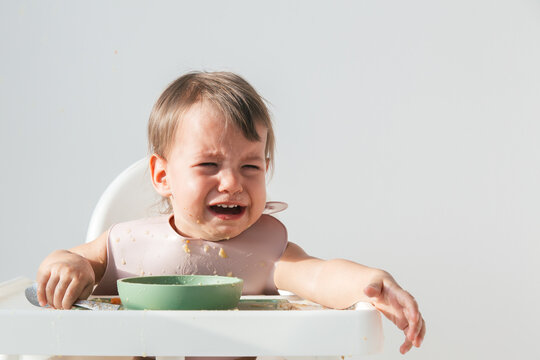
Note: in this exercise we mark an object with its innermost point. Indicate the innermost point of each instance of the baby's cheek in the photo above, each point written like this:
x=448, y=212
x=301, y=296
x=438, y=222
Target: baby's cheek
x=189, y=211
x=193, y=199
x=260, y=202
x=194, y=213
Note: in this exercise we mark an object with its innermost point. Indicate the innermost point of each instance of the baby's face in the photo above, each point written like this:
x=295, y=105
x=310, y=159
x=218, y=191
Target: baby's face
x=216, y=176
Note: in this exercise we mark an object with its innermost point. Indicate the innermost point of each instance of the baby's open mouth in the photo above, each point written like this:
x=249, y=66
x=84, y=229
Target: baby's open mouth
x=224, y=209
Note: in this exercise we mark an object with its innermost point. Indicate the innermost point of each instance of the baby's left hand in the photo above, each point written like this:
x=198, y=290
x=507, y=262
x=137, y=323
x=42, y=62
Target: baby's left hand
x=400, y=307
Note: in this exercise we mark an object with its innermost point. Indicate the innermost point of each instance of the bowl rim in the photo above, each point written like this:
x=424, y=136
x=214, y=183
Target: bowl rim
x=132, y=280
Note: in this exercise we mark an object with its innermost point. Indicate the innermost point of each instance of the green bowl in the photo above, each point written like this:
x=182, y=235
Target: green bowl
x=180, y=292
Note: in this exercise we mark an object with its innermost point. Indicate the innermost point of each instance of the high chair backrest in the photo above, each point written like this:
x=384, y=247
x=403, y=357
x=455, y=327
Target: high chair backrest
x=130, y=196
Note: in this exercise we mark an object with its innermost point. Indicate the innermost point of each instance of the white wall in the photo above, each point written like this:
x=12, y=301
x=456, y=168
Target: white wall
x=407, y=137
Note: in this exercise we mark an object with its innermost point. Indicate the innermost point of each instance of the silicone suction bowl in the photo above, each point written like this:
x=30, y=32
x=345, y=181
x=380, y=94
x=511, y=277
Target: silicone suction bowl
x=180, y=292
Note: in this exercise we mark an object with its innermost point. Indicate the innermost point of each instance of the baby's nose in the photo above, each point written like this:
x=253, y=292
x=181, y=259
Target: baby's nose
x=230, y=182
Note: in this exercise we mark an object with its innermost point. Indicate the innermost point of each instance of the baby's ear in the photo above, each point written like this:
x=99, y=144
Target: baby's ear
x=158, y=171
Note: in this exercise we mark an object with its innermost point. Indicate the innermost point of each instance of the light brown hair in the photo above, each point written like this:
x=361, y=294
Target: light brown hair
x=233, y=96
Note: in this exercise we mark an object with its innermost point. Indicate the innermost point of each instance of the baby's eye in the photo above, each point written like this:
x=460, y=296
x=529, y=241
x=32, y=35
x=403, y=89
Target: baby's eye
x=208, y=164
x=248, y=166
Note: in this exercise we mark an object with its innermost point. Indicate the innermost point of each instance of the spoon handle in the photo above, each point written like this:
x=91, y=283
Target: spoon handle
x=95, y=305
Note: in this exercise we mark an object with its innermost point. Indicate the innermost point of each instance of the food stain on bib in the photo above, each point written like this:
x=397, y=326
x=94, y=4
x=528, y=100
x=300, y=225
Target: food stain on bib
x=186, y=249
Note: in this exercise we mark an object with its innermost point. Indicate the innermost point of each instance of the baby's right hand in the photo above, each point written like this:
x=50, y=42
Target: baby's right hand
x=63, y=278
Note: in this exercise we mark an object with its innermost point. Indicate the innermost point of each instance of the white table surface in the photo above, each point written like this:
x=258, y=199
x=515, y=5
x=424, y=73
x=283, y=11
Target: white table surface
x=26, y=329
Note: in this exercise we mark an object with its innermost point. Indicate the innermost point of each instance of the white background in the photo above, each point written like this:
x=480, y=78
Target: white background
x=407, y=137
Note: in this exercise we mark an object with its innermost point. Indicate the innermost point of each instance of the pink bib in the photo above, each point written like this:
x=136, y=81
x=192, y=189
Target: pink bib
x=152, y=247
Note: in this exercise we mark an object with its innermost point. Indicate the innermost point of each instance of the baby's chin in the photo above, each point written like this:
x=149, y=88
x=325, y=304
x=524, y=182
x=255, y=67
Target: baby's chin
x=220, y=235
x=217, y=230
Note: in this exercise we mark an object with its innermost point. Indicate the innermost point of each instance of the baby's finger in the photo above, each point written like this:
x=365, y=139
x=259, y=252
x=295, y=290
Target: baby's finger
x=41, y=284
x=59, y=293
x=410, y=310
x=419, y=327
x=394, y=315
x=388, y=312
x=420, y=338
x=373, y=290
x=71, y=295
x=87, y=291
x=413, y=320
x=50, y=289
x=409, y=303
x=406, y=346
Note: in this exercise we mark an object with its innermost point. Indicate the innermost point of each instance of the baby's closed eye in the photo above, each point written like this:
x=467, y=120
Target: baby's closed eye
x=207, y=168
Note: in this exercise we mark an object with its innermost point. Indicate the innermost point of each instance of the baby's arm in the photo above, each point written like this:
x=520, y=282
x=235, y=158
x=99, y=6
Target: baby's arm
x=67, y=275
x=341, y=283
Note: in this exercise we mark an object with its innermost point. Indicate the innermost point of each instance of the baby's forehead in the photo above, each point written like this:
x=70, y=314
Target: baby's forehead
x=204, y=125
x=205, y=114
x=220, y=145
x=200, y=114
x=206, y=106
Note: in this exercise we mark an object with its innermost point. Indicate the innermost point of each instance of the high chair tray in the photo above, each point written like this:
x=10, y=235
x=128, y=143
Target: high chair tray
x=298, y=329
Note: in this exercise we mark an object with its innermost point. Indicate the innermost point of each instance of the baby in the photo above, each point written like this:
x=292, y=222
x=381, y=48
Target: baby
x=212, y=146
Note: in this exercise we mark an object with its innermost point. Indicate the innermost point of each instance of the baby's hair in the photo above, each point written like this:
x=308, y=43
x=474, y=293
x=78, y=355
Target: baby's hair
x=233, y=96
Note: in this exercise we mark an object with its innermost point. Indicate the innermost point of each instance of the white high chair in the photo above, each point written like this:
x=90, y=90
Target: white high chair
x=130, y=196
x=317, y=333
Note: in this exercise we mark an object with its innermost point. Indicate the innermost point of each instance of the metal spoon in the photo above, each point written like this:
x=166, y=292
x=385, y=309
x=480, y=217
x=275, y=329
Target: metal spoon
x=31, y=296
